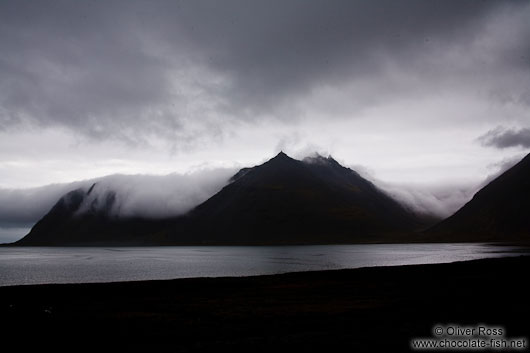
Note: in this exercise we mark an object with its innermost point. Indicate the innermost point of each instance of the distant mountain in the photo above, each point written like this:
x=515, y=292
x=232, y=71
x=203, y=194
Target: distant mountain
x=499, y=212
x=286, y=201
x=85, y=217
x=283, y=201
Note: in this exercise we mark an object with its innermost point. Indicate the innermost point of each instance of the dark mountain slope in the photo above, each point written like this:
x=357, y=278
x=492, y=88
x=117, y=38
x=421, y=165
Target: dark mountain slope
x=289, y=201
x=82, y=218
x=498, y=212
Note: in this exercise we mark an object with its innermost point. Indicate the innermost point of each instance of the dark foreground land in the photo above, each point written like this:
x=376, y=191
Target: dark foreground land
x=371, y=309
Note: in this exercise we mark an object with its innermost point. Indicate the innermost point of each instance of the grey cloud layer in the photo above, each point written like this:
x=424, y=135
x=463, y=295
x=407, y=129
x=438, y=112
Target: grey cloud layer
x=183, y=71
x=504, y=138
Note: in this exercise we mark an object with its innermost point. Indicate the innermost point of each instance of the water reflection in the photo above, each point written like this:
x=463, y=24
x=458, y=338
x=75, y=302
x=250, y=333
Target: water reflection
x=34, y=265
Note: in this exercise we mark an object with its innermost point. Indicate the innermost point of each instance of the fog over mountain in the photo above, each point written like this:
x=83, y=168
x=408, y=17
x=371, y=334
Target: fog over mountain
x=281, y=201
x=148, y=196
x=153, y=196
x=427, y=95
x=497, y=212
x=442, y=200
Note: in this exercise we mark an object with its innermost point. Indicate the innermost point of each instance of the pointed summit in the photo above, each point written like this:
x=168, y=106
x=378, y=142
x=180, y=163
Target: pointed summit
x=280, y=161
x=281, y=156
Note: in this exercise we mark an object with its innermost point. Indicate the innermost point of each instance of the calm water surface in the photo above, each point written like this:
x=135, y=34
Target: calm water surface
x=34, y=265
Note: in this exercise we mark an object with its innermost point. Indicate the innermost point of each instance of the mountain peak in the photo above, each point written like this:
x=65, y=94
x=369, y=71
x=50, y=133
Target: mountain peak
x=289, y=201
x=281, y=155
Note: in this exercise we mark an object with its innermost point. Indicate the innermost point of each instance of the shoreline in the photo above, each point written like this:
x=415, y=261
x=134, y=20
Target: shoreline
x=520, y=243
x=364, y=308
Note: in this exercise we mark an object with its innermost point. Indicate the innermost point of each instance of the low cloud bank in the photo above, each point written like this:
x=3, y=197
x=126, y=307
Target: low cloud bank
x=136, y=195
x=158, y=196
x=439, y=200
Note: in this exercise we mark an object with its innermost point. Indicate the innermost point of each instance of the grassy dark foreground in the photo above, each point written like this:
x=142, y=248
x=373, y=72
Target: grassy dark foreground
x=362, y=310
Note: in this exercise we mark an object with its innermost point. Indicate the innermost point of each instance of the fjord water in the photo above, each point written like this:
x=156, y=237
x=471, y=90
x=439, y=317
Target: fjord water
x=39, y=265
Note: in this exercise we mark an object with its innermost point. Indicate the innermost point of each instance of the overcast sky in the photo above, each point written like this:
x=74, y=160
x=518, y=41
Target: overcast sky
x=433, y=94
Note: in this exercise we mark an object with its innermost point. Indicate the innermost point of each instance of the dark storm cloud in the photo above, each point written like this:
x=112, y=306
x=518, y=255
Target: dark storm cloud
x=503, y=138
x=276, y=52
x=183, y=70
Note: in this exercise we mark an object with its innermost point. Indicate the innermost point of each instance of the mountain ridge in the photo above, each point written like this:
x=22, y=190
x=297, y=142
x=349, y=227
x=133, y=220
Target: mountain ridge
x=287, y=201
x=296, y=201
x=282, y=201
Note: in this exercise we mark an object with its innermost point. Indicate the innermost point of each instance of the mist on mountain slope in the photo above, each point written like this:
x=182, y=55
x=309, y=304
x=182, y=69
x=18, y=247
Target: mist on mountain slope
x=155, y=196
x=148, y=196
x=437, y=200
